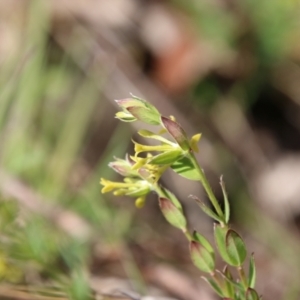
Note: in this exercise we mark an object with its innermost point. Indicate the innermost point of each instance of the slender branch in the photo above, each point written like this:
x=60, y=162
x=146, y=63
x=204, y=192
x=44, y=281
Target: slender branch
x=206, y=186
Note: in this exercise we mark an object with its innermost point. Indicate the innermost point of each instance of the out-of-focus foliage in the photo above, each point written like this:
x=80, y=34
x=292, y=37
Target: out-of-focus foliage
x=61, y=65
x=49, y=113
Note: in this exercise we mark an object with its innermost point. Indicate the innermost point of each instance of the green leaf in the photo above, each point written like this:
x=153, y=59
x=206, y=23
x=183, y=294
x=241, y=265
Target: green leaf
x=228, y=283
x=252, y=272
x=202, y=258
x=230, y=280
x=146, y=103
x=166, y=158
x=236, y=248
x=230, y=245
x=251, y=294
x=177, y=132
x=185, y=168
x=172, y=214
x=172, y=197
x=145, y=115
x=214, y=285
x=149, y=134
x=203, y=241
x=220, y=235
x=226, y=202
x=206, y=209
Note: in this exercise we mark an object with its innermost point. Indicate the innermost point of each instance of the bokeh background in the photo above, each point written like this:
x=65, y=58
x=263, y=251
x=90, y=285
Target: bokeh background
x=229, y=69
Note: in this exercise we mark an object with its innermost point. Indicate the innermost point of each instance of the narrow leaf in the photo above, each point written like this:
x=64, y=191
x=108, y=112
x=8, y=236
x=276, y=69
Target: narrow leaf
x=144, y=114
x=146, y=103
x=166, y=158
x=226, y=202
x=220, y=235
x=252, y=272
x=172, y=197
x=228, y=284
x=236, y=248
x=149, y=134
x=251, y=294
x=203, y=241
x=185, y=168
x=214, y=285
x=232, y=282
x=202, y=258
x=206, y=209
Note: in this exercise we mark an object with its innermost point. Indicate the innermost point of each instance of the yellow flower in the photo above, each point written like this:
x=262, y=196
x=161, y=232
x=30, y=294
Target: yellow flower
x=139, y=161
x=194, y=142
x=130, y=187
x=108, y=185
x=139, y=148
x=140, y=202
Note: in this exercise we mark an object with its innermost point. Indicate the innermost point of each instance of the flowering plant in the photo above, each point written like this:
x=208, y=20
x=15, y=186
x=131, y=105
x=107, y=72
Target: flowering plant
x=141, y=176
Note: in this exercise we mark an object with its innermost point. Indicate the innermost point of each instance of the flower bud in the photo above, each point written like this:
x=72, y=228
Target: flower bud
x=172, y=213
x=145, y=115
x=176, y=131
x=201, y=257
x=138, y=109
x=123, y=167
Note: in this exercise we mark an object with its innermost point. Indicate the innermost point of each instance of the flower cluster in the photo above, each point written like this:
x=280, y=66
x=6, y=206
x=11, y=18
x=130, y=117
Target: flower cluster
x=139, y=177
x=141, y=173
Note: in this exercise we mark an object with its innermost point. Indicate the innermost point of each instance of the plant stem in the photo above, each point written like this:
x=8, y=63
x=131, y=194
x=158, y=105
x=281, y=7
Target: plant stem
x=206, y=186
x=160, y=191
x=187, y=235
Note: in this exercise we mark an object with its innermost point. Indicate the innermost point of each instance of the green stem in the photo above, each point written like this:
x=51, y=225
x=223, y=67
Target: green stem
x=160, y=191
x=188, y=235
x=206, y=186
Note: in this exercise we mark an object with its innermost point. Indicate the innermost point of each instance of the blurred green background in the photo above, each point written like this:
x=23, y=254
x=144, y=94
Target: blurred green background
x=229, y=69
